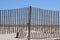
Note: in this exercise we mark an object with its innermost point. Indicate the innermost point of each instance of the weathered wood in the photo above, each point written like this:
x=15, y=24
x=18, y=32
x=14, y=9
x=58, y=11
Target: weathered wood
x=17, y=35
x=29, y=21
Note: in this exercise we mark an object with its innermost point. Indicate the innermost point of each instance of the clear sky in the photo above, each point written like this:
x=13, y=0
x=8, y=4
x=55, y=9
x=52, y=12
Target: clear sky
x=45, y=4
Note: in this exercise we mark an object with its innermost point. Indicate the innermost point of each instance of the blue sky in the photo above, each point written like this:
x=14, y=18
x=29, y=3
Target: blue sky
x=45, y=4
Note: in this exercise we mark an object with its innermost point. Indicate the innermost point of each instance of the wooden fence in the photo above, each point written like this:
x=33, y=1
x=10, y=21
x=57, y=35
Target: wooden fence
x=43, y=24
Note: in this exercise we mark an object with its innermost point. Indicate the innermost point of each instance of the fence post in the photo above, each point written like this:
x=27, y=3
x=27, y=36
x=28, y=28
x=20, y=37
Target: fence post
x=29, y=22
x=17, y=34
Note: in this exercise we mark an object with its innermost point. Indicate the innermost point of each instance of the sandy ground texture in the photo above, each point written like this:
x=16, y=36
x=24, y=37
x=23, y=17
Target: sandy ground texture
x=12, y=37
